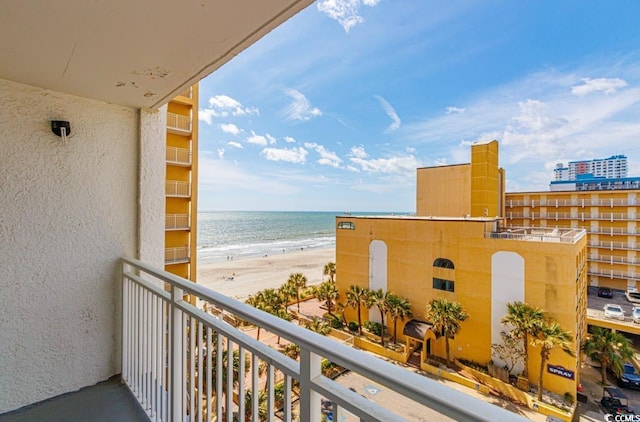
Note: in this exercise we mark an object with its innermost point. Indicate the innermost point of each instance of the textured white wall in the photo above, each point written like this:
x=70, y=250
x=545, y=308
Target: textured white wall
x=507, y=285
x=67, y=215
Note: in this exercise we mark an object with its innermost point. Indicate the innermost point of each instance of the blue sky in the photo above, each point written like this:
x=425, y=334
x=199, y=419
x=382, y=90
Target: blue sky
x=336, y=108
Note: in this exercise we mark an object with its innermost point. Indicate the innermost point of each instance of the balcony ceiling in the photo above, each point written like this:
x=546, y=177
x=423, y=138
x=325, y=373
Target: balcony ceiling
x=135, y=53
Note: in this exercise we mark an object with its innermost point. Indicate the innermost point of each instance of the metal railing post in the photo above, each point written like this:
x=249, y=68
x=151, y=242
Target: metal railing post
x=177, y=371
x=310, y=368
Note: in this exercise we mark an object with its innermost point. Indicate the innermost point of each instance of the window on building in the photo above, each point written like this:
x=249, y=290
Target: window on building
x=441, y=284
x=443, y=263
x=346, y=225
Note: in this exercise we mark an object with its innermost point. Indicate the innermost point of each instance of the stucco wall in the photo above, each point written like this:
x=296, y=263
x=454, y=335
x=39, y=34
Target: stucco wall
x=67, y=215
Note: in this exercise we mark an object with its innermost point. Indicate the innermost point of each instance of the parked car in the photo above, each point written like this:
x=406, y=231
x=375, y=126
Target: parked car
x=615, y=402
x=613, y=311
x=633, y=295
x=605, y=292
x=615, y=407
x=629, y=377
x=635, y=314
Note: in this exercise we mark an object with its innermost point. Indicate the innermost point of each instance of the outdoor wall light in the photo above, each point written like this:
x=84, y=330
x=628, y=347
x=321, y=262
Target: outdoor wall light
x=61, y=128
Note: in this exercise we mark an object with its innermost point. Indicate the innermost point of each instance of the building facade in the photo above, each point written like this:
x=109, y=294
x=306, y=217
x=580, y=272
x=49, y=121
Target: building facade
x=614, y=167
x=457, y=247
x=181, y=202
x=611, y=219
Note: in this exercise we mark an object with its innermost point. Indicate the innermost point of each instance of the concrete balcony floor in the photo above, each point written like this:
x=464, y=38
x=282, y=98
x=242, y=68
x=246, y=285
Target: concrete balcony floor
x=108, y=401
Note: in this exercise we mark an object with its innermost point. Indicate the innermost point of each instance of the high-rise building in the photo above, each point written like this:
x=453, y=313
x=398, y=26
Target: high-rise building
x=614, y=167
x=181, y=184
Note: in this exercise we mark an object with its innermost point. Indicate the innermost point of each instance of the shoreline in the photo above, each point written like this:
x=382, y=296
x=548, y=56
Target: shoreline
x=240, y=278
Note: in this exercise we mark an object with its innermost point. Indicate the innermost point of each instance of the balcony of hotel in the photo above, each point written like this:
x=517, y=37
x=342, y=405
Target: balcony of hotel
x=613, y=274
x=175, y=222
x=612, y=245
x=175, y=368
x=178, y=123
x=611, y=202
x=177, y=255
x=609, y=259
x=538, y=234
x=179, y=156
x=178, y=189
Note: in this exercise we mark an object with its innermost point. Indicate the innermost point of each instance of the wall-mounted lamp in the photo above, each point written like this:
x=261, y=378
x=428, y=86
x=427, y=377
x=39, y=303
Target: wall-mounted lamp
x=61, y=128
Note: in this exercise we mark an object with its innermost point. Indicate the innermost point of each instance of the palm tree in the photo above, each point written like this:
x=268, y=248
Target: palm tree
x=330, y=270
x=327, y=292
x=446, y=316
x=608, y=347
x=549, y=335
x=267, y=300
x=318, y=325
x=523, y=318
x=380, y=299
x=356, y=297
x=399, y=308
x=297, y=281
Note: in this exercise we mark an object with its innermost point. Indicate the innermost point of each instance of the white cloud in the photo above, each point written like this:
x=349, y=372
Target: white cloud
x=327, y=158
x=543, y=118
x=289, y=139
x=395, y=119
x=410, y=150
x=456, y=110
x=346, y=12
x=221, y=153
x=300, y=108
x=606, y=85
x=224, y=106
x=401, y=164
x=229, y=128
x=270, y=138
x=358, y=152
x=257, y=139
x=293, y=155
x=235, y=144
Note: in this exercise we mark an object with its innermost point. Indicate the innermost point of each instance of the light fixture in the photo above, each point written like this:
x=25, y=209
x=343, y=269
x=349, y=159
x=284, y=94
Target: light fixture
x=61, y=128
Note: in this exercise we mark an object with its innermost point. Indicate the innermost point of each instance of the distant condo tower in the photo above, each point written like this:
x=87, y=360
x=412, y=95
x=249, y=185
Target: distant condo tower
x=597, y=174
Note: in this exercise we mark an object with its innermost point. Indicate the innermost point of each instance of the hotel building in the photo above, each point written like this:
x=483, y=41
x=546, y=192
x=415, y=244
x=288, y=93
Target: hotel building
x=457, y=246
x=614, y=167
x=181, y=202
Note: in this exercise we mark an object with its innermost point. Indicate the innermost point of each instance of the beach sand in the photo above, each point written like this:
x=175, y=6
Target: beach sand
x=241, y=278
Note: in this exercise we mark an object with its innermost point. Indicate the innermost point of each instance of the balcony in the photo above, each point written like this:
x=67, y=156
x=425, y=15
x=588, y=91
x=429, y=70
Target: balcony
x=611, y=274
x=612, y=245
x=176, y=222
x=572, y=203
x=177, y=189
x=608, y=259
x=174, y=362
x=177, y=255
x=178, y=123
x=538, y=234
x=179, y=156
x=611, y=231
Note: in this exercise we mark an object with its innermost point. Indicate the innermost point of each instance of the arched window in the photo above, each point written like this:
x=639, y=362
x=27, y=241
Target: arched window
x=444, y=275
x=443, y=263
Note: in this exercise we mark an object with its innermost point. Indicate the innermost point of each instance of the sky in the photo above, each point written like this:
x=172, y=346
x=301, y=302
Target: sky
x=336, y=109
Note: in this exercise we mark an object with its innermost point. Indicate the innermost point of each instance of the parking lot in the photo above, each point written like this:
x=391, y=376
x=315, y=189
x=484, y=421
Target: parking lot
x=596, y=303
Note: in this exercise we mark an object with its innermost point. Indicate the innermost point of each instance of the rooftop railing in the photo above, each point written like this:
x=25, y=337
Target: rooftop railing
x=176, y=361
x=538, y=234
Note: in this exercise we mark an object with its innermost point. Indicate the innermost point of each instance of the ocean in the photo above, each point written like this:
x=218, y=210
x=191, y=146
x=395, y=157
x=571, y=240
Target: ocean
x=226, y=235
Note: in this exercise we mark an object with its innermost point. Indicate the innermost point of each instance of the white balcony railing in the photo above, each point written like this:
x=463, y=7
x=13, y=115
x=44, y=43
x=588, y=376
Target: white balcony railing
x=174, y=361
x=612, y=245
x=178, y=188
x=538, y=234
x=176, y=222
x=179, y=156
x=178, y=122
x=177, y=254
x=610, y=259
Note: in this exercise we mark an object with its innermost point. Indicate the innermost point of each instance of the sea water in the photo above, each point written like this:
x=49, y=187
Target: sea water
x=225, y=235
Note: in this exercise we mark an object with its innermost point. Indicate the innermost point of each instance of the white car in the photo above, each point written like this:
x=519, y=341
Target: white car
x=636, y=314
x=633, y=295
x=613, y=311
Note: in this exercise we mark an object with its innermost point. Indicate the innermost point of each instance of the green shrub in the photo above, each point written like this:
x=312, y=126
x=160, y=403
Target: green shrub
x=373, y=327
x=568, y=397
x=336, y=321
x=353, y=326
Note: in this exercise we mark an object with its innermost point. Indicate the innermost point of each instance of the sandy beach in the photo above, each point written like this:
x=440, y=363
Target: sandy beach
x=241, y=278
